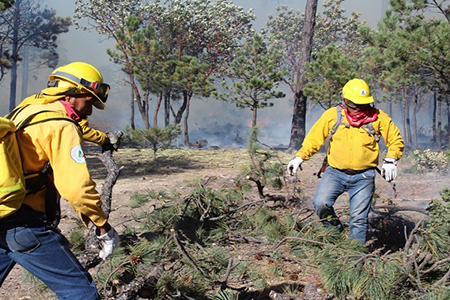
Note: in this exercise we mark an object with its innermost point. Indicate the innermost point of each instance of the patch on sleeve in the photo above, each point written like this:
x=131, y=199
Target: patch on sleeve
x=77, y=154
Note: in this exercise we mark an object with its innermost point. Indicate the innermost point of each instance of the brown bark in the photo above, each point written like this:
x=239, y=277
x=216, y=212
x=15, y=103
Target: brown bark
x=434, y=137
x=439, y=124
x=158, y=106
x=298, y=127
x=415, y=105
x=133, y=126
x=185, y=124
x=181, y=110
x=448, y=123
x=406, y=119
x=166, y=108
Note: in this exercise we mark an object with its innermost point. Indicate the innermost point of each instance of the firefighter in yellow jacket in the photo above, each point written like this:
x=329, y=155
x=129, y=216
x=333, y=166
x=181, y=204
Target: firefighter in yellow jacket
x=27, y=237
x=352, y=156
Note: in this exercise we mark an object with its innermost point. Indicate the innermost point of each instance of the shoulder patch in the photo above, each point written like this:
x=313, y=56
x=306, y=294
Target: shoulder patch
x=77, y=154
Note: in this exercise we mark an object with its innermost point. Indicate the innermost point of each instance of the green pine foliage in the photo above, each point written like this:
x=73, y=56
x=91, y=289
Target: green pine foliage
x=156, y=138
x=192, y=286
x=328, y=74
x=255, y=77
x=265, y=168
x=349, y=269
x=353, y=273
x=224, y=295
x=77, y=237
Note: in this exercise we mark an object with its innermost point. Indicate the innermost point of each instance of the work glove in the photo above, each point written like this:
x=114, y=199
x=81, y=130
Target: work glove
x=293, y=165
x=112, y=141
x=108, y=242
x=389, y=169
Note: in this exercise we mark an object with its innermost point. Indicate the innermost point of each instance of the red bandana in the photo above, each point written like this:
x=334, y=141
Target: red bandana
x=70, y=111
x=359, y=118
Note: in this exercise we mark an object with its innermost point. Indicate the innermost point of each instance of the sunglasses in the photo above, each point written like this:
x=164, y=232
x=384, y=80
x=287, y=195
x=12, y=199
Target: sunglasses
x=353, y=105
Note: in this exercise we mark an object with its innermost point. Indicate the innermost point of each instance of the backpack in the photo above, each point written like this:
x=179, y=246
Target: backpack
x=13, y=186
x=368, y=127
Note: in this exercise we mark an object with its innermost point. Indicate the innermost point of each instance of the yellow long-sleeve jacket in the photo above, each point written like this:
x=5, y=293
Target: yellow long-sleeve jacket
x=352, y=147
x=61, y=143
x=90, y=134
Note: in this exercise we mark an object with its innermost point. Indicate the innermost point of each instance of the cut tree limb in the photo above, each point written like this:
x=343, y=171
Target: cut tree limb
x=113, y=172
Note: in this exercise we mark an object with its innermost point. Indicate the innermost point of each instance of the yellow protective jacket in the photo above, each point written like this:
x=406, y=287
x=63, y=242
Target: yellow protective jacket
x=90, y=134
x=352, y=147
x=46, y=96
x=61, y=143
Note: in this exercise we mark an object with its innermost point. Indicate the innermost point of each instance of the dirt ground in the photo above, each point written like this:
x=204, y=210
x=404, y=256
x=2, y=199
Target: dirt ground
x=178, y=169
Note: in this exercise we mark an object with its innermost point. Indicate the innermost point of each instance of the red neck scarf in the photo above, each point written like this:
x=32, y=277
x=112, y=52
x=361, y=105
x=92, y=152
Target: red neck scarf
x=359, y=118
x=70, y=110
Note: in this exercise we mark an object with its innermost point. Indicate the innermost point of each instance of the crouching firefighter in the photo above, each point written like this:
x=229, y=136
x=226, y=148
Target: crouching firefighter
x=53, y=162
x=352, y=130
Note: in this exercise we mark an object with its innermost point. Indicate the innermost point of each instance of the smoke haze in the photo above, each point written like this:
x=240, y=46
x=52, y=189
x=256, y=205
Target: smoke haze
x=219, y=122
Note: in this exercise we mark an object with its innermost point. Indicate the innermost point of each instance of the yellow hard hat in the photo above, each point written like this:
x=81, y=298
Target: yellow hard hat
x=357, y=91
x=85, y=77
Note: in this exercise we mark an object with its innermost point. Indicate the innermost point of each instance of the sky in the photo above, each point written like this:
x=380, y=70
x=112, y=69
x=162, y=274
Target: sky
x=78, y=45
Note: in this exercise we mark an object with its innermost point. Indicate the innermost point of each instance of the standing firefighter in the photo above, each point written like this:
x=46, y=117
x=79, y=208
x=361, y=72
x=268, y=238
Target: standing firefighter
x=52, y=140
x=353, y=130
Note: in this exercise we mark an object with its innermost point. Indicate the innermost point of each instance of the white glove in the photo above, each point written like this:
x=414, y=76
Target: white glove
x=389, y=169
x=109, y=242
x=293, y=165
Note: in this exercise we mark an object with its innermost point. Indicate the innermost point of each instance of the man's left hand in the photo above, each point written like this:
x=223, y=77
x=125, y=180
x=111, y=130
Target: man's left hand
x=389, y=169
x=108, y=241
x=112, y=142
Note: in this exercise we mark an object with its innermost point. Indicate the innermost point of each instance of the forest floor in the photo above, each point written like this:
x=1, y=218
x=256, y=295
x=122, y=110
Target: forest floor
x=177, y=169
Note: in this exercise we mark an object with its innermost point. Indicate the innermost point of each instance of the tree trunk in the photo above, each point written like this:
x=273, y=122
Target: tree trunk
x=404, y=117
x=439, y=123
x=25, y=71
x=142, y=104
x=14, y=57
x=186, y=117
x=298, y=127
x=415, y=104
x=254, y=115
x=433, y=138
x=181, y=110
x=133, y=126
x=158, y=106
x=448, y=123
x=166, y=108
x=408, y=121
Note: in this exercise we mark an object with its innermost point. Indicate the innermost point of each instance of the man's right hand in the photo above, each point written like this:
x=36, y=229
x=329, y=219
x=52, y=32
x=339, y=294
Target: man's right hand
x=293, y=165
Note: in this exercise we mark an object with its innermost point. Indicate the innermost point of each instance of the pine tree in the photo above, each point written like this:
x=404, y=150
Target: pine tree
x=255, y=77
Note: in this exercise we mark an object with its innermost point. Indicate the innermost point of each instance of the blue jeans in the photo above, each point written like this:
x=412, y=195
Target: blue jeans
x=360, y=188
x=45, y=253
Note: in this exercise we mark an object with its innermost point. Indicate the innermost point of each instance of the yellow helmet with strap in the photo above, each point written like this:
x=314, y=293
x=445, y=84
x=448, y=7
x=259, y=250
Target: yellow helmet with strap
x=357, y=91
x=84, y=78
